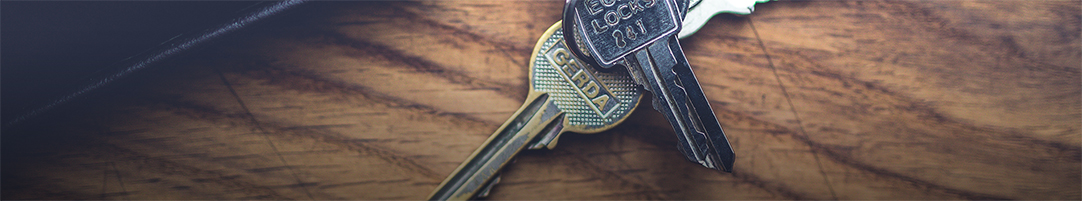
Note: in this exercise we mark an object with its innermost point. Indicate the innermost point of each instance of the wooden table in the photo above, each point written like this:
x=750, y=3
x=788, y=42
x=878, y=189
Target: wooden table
x=382, y=100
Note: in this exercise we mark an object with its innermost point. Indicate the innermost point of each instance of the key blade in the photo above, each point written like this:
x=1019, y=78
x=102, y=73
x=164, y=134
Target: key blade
x=682, y=102
x=488, y=187
x=697, y=102
x=482, y=166
x=665, y=102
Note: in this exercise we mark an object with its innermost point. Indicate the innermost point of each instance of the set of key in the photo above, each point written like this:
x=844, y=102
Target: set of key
x=578, y=83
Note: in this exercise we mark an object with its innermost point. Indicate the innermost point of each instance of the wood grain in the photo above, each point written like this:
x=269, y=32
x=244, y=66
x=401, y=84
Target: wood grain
x=381, y=100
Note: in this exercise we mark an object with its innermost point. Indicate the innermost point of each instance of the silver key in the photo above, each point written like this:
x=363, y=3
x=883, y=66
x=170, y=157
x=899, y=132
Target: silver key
x=700, y=11
x=641, y=35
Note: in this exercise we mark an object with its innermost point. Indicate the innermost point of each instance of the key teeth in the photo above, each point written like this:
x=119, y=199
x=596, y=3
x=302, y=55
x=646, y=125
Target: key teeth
x=488, y=187
x=723, y=163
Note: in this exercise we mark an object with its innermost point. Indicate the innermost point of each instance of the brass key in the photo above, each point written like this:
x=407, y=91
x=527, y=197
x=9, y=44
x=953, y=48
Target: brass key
x=565, y=95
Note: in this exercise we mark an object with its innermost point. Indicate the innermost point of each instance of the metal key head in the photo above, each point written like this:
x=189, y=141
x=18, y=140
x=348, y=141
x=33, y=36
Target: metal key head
x=592, y=101
x=612, y=29
x=565, y=95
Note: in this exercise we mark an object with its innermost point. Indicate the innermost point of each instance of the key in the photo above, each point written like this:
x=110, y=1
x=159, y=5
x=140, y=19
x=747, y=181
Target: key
x=700, y=11
x=565, y=96
x=641, y=36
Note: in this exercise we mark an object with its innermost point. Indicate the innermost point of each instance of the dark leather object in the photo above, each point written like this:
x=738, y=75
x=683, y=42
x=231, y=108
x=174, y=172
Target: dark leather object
x=53, y=52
